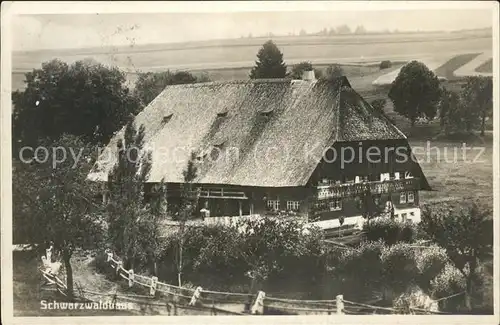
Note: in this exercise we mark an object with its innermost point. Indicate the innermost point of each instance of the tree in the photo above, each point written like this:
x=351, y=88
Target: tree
x=378, y=104
x=133, y=224
x=360, y=30
x=466, y=232
x=54, y=203
x=451, y=112
x=188, y=205
x=86, y=99
x=477, y=93
x=415, y=92
x=343, y=29
x=333, y=72
x=299, y=68
x=269, y=63
x=150, y=84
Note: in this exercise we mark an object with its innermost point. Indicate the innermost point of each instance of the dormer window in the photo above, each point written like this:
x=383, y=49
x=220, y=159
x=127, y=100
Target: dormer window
x=167, y=118
x=266, y=113
x=219, y=144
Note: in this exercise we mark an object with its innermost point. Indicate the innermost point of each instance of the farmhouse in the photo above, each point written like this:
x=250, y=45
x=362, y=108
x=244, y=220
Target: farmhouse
x=311, y=148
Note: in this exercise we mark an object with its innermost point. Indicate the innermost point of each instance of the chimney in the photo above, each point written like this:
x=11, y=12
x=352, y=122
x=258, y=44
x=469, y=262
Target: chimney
x=308, y=75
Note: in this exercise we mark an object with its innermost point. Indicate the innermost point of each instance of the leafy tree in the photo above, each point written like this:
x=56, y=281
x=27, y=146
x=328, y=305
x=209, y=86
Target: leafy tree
x=455, y=116
x=379, y=104
x=188, y=205
x=360, y=30
x=343, y=29
x=133, y=226
x=333, y=71
x=150, y=84
x=85, y=99
x=271, y=246
x=269, y=63
x=351, y=267
x=477, y=93
x=299, y=68
x=399, y=265
x=415, y=92
x=53, y=202
x=385, y=64
x=465, y=231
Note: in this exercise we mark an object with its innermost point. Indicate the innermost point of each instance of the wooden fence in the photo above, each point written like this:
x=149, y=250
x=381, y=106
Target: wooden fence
x=168, y=299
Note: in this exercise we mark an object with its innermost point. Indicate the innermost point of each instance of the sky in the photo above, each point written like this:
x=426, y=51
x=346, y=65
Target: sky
x=58, y=31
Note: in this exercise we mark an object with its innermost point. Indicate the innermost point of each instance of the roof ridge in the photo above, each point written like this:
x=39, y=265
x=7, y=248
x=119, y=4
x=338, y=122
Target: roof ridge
x=344, y=82
x=233, y=82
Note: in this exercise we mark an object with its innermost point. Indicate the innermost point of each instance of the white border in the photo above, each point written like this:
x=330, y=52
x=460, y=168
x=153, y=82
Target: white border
x=8, y=9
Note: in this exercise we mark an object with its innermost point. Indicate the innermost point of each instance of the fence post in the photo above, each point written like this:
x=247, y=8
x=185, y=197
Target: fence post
x=258, y=306
x=196, y=296
x=130, y=278
x=154, y=281
x=340, y=304
x=118, y=266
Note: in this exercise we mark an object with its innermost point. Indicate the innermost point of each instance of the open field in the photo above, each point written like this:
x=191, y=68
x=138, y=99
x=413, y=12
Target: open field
x=232, y=59
x=477, y=67
x=450, y=67
x=454, y=173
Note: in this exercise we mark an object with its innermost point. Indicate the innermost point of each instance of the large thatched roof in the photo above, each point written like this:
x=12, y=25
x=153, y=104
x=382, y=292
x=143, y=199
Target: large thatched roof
x=261, y=130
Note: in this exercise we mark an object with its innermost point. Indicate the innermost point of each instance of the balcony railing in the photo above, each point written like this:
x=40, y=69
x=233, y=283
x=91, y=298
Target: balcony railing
x=354, y=189
x=221, y=194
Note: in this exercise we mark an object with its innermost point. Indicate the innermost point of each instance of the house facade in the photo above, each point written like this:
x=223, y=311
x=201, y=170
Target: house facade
x=311, y=149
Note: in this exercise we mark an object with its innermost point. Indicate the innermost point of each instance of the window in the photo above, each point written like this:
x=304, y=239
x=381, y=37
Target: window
x=167, y=118
x=325, y=193
x=412, y=214
x=385, y=177
x=335, y=205
x=396, y=175
x=266, y=113
x=402, y=197
x=403, y=216
x=292, y=205
x=408, y=175
x=273, y=205
x=411, y=197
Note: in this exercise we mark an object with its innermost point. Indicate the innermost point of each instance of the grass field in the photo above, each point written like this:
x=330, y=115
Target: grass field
x=232, y=59
x=454, y=173
x=486, y=66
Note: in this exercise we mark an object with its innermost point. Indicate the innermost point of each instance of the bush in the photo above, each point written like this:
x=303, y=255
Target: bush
x=277, y=253
x=430, y=262
x=414, y=297
x=385, y=64
x=400, y=266
x=390, y=231
x=448, y=282
x=360, y=269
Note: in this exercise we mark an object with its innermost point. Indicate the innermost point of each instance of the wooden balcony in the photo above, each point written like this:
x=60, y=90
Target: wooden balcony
x=221, y=194
x=326, y=192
